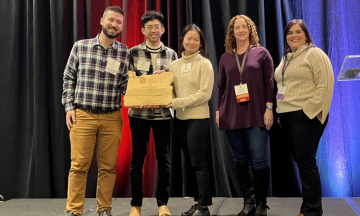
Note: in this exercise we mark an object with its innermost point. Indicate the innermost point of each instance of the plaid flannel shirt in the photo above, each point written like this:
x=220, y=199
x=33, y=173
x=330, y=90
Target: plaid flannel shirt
x=87, y=84
x=164, y=58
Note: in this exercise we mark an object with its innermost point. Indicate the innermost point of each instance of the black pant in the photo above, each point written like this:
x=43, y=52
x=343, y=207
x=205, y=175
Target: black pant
x=140, y=130
x=194, y=138
x=303, y=135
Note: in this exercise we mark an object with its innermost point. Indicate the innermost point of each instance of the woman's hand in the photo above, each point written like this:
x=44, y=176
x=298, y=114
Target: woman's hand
x=217, y=119
x=169, y=105
x=268, y=119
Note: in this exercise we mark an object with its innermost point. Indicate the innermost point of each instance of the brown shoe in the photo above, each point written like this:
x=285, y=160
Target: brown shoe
x=135, y=211
x=164, y=211
x=301, y=215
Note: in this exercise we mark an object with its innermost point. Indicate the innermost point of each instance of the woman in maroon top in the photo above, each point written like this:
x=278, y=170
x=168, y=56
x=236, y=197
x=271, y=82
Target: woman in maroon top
x=244, y=109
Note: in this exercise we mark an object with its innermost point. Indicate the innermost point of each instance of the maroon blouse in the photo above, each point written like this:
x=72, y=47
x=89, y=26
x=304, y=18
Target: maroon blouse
x=258, y=74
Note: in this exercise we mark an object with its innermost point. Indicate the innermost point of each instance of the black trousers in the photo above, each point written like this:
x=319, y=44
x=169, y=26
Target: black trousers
x=140, y=130
x=194, y=138
x=303, y=135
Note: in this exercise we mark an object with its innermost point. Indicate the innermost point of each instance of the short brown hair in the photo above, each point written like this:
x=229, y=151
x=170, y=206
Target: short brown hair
x=230, y=42
x=113, y=8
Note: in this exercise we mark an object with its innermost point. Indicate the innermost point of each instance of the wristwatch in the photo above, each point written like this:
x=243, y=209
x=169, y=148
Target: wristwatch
x=269, y=107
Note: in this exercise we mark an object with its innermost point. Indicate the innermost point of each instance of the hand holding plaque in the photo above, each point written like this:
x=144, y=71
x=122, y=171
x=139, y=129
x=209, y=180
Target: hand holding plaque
x=154, y=89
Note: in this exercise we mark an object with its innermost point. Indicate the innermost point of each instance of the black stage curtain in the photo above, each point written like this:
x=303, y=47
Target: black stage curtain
x=36, y=40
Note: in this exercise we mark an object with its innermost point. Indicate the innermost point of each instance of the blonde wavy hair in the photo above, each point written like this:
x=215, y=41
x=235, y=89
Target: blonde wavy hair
x=230, y=42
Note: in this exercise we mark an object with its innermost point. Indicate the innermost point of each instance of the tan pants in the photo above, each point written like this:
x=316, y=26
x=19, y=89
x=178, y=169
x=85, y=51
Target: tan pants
x=104, y=130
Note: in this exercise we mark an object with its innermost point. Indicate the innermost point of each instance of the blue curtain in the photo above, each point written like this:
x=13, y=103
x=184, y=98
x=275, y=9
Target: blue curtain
x=335, y=28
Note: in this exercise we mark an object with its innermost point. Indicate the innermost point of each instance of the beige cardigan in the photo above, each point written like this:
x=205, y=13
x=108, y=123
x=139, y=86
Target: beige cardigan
x=192, y=89
x=309, y=82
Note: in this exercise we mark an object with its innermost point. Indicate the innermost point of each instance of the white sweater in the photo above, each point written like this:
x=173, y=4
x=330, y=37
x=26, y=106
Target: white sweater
x=309, y=82
x=193, y=89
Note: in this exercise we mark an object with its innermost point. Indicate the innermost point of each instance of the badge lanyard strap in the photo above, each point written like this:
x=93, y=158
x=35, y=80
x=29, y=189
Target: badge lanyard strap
x=241, y=67
x=286, y=64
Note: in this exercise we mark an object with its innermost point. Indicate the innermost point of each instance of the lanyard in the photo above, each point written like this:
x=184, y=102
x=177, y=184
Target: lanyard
x=241, y=67
x=286, y=64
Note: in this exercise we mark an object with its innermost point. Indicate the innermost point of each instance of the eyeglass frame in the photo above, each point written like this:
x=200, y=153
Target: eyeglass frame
x=156, y=27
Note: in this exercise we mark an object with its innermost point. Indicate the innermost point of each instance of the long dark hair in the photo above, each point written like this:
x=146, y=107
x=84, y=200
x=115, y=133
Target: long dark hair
x=303, y=26
x=203, y=49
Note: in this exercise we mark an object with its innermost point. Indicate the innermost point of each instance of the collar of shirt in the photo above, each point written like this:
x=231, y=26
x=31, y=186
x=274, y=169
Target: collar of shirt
x=95, y=42
x=143, y=47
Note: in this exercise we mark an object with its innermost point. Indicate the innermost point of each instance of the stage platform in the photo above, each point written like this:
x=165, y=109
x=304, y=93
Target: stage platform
x=221, y=206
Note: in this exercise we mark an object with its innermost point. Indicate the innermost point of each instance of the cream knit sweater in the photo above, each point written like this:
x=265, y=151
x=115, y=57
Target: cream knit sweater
x=192, y=89
x=309, y=82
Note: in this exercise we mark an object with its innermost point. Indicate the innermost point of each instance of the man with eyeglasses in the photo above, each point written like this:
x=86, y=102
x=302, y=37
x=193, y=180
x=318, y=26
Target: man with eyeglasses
x=150, y=57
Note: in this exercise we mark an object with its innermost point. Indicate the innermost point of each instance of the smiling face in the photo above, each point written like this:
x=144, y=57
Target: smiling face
x=153, y=31
x=241, y=30
x=112, y=24
x=191, y=42
x=295, y=37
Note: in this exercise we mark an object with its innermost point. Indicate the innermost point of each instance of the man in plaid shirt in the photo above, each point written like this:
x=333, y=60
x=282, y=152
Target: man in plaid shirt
x=95, y=75
x=148, y=58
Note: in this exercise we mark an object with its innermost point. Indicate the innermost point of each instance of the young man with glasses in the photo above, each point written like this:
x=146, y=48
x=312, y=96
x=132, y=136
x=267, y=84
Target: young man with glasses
x=148, y=58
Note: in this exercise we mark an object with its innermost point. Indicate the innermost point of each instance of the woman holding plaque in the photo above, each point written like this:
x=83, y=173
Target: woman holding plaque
x=305, y=84
x=193, y=85
x=244, y=110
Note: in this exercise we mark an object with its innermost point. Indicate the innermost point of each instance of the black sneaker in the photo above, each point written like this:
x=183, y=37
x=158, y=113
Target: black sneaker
x=190, y=211
x=105, y=212
x=70, y=214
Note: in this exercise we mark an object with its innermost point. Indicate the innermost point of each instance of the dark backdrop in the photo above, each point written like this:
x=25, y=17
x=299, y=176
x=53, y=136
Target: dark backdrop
x=35, y=42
